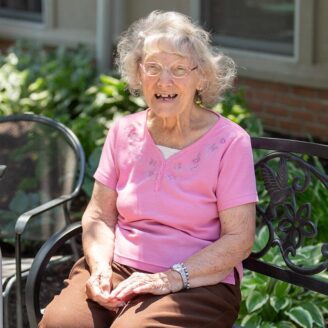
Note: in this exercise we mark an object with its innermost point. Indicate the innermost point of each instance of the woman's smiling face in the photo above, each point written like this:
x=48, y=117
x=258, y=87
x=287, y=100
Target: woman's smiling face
x=165, y=92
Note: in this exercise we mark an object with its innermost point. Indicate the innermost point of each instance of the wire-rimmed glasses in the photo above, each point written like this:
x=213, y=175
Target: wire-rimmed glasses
x=177, y=71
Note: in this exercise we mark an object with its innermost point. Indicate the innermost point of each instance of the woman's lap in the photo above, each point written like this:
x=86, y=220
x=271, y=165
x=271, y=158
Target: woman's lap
x=211, y=306
x=71, y=308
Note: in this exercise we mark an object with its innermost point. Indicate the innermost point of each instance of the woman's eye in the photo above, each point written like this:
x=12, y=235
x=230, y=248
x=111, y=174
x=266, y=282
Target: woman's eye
x=179, y=71
x=153, y=68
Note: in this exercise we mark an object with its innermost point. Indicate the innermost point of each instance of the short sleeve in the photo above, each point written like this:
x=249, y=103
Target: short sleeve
x=236, y=181
x=107, y=171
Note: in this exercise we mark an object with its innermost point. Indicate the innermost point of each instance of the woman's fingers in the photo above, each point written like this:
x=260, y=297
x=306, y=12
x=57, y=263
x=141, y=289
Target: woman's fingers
x=99, y=285
x=97, y=294
x=140, y=283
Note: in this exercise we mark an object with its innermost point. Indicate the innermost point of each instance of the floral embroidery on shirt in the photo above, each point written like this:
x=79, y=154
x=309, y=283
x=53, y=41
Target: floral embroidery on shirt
x=134, y=149
x=152, y=162
x=150, y=171
x=213, y=147
x=171, y=176
x=177, y=166
x=195, y=161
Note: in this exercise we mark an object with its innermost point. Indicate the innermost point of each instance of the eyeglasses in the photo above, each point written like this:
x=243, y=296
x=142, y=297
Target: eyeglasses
x=177, y=71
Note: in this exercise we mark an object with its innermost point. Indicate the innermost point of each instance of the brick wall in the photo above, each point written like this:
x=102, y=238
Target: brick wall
x=289, y=110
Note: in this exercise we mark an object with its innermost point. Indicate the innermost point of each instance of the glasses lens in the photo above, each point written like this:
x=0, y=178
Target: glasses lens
x=179, y=71
x=152, y=69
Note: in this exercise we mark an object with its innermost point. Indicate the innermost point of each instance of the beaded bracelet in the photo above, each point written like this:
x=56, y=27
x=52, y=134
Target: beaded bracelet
x=183, y=271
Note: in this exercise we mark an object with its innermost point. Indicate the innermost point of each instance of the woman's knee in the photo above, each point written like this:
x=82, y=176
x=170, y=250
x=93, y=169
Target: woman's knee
x=59, y=315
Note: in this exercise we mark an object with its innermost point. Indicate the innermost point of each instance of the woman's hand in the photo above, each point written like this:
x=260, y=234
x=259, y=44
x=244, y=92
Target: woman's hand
x=153, y=283
x=98, y=288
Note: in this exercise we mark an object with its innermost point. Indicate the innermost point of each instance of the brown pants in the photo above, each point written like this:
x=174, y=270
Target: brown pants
x=202, y=307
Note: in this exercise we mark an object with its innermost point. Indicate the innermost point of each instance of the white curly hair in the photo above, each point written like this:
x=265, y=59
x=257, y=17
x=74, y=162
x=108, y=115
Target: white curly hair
x=175, y=33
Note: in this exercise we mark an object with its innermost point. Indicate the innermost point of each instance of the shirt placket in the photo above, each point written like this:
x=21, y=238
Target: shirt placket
x=160, y=176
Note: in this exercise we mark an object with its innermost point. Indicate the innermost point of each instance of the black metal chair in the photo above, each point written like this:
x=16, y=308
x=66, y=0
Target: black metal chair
x=47, y=168
x=285, y=175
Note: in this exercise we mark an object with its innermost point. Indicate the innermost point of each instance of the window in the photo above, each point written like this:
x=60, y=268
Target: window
x=27, y=10
x=266, y=26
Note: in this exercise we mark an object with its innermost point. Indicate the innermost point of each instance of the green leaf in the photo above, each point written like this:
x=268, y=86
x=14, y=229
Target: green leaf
x=300, y=316
x=254, y=280
x=255, y=301
x=285, y=324
x=266, y=324
x=281, y=289
x=315, y=313
x=261, y=239
x=324, y=306
x=251, y=321
x=279, y=303
x=88, y=186
x=94, y=159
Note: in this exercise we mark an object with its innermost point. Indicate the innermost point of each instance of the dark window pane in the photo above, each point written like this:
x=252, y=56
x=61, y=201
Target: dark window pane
x=257, y=25
x=29, y=10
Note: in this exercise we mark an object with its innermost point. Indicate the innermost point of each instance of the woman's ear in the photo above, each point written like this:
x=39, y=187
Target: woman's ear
x=201, y=85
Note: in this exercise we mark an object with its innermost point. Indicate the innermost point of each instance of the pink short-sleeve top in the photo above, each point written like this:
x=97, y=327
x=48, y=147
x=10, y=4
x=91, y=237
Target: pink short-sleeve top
x=169, y=208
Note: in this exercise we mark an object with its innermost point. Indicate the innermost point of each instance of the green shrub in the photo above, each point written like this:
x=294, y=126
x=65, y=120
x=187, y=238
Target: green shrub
x=62, y=84
x=267, y=302
x=44, y=82
x=234, y=107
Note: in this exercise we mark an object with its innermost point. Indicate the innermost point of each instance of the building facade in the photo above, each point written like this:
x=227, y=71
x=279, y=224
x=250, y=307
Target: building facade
x=280, y=46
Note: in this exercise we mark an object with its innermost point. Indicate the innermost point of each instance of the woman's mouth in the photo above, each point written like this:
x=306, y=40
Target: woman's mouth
x=165, y=96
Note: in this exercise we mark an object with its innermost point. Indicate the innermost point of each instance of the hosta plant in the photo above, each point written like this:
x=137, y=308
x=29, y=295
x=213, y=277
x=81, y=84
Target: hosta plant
x=267, y=302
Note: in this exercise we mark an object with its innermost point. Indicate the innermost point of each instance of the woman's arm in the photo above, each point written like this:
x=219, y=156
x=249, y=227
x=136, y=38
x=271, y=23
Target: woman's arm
x=213, y=263
x=98, y=223
x=206, y=267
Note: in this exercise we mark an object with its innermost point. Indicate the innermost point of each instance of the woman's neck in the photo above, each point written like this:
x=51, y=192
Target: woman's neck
x=180, y=131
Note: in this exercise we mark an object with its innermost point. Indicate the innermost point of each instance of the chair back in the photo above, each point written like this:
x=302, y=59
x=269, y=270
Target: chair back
x=46, y=161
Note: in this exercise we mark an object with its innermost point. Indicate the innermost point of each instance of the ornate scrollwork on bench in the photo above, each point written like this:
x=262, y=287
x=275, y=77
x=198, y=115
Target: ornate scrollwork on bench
x=288, y=218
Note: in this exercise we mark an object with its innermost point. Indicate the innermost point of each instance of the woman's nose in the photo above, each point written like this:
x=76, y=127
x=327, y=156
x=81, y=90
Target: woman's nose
x=165, y=77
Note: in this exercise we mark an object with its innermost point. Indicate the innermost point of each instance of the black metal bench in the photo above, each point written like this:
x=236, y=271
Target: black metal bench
x=286, y=171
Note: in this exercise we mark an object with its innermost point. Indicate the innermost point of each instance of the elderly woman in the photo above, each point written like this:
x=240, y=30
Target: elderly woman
x=172, y=211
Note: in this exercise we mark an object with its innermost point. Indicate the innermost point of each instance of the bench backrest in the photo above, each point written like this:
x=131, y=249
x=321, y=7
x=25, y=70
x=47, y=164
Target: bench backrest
x=288, y=177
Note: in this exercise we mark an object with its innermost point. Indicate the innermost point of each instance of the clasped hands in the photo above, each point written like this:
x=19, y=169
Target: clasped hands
x=99, y=286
